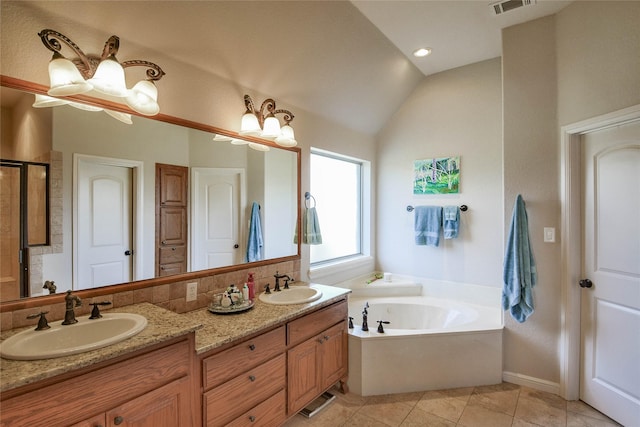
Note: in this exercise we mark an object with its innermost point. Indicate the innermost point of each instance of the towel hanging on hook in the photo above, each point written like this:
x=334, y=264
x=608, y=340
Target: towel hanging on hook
x=307, y=197
x=311, y=234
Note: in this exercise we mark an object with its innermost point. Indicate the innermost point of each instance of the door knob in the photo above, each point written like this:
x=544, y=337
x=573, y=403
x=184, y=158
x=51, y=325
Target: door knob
x=128, y=252
x=236, y=246
x=585, y=283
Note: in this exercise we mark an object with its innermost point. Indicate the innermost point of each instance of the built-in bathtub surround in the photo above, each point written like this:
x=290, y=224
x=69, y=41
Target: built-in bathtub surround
x=440, y=335
x=171, y=296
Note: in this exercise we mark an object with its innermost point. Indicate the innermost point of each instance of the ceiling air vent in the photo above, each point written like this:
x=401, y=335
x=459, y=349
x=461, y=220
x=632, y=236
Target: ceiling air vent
x=505, y=6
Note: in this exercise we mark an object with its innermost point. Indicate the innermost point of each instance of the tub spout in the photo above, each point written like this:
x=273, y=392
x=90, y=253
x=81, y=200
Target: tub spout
x=365, y=314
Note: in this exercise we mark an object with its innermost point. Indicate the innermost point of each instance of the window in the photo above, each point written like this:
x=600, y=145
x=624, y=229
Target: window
x=336, y=185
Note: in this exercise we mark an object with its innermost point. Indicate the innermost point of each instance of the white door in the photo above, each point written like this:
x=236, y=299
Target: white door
x=216, y=211
x=610, y=313
x=104, y=224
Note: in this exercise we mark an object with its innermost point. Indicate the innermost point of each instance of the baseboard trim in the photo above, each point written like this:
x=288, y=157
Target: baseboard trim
x=531, y=382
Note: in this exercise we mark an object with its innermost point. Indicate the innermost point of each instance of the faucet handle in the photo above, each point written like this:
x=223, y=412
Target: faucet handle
x=267, y=290
x=42, y=322
x=286, y=282
x=380, y=328
x=95, y=311
x=350, y=322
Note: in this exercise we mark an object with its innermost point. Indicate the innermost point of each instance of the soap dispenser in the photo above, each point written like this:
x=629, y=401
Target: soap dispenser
x=252, y=287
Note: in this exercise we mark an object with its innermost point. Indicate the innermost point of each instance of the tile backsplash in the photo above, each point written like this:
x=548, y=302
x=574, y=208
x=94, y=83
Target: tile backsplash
x=171, y=296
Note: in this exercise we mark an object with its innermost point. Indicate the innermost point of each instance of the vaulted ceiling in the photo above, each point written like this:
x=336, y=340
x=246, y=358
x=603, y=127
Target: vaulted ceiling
x=348, y=61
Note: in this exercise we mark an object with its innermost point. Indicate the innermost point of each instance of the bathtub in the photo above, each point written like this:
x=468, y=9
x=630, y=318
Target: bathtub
x=431, y=342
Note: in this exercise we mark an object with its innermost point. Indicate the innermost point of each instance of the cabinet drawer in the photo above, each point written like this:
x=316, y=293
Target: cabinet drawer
x=171, y=254
x=314, y=323
x=233, y=398
x=271, y=412
x=171, y=269
x=246, y=355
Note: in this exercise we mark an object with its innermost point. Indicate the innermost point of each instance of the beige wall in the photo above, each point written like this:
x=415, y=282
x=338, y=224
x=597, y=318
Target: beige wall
x=531, y=168
x=453, y=113
x=583, y=62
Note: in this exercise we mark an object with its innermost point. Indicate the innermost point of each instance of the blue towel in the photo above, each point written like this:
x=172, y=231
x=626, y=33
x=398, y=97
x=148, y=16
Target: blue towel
x=519, y=275
x=450, y=221
x=254, y=244
x=427, y=222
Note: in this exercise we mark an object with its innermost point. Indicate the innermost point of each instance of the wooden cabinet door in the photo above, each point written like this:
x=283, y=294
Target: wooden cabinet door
x=303, y=374
x=166, y=406
x=173, y=183
x=333, y=355
x=171, y=219
x=97, y=421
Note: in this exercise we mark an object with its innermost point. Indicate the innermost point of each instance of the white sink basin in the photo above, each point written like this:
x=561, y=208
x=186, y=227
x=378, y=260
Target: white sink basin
x=87, y=334
x=293, y=295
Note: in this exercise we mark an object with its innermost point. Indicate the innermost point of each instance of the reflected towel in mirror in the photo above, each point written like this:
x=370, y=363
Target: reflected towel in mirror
x=254, y=244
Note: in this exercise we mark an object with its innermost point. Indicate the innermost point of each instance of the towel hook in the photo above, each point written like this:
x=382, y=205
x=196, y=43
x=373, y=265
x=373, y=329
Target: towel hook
x=308, y=196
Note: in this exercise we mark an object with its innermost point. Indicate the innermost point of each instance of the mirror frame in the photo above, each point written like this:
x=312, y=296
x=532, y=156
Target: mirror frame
x=30, y=302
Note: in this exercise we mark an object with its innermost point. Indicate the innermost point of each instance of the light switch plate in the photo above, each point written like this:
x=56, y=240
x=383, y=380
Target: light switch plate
x=192, y=291
x=549, y=234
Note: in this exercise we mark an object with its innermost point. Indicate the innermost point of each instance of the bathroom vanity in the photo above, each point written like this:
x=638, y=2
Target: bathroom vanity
x=269, y=377
x=259, y=367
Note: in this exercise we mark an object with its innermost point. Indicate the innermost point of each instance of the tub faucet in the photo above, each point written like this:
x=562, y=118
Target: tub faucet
x=278, y=277
x=365, y=314
x=69, y=314
x=380, y=328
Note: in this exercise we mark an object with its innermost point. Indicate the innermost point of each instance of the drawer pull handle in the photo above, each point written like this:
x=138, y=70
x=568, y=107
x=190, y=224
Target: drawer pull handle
x=252, y=347
x=252, y=378
x=326, y=337
x=320, y=340
x=252, y=418
x=118, y=420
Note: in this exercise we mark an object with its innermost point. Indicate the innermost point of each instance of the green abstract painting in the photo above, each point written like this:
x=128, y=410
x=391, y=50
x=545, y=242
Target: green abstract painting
x=436, y=176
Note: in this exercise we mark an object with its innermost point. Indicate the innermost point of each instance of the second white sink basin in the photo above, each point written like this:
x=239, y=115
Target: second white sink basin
x=64, y=340
x=293, y=295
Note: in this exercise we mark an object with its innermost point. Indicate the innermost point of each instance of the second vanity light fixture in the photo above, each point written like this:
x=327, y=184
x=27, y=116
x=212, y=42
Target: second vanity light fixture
x=103, y=74
x=265, y=124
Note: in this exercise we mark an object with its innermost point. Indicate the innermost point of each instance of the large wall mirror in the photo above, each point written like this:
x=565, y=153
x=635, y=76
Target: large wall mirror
x=160, y=196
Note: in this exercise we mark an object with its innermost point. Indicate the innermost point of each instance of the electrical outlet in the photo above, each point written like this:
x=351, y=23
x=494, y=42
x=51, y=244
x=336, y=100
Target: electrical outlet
x=192, y=291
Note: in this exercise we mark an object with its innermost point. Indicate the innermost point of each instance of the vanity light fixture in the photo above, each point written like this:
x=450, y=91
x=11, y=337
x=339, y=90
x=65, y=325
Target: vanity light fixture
x=265, y=124
x=103, y=74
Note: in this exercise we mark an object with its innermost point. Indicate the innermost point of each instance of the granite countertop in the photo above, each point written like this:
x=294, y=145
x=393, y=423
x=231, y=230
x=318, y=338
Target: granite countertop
x=162, y=325
x=220, y=329
x=212, y=331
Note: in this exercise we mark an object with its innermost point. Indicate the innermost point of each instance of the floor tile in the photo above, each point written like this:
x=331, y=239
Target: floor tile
x=391, y=413
x=445, y=404
x=480, y=416
x=497, y=405
x=419, y=418
x=501, y=397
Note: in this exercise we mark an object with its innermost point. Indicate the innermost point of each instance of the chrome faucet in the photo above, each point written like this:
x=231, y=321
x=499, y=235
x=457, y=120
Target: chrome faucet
x=71, y=301
x=281, y=276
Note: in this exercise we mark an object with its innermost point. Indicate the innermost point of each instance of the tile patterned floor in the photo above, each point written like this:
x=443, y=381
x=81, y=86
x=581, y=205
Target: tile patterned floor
x=499, y=405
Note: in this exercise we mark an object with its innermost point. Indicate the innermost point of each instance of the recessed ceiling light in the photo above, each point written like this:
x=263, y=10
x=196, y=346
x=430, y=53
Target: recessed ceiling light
x=423, y=51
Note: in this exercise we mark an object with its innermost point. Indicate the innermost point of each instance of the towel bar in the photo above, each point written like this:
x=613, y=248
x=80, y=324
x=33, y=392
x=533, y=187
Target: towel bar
x=463, y=208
